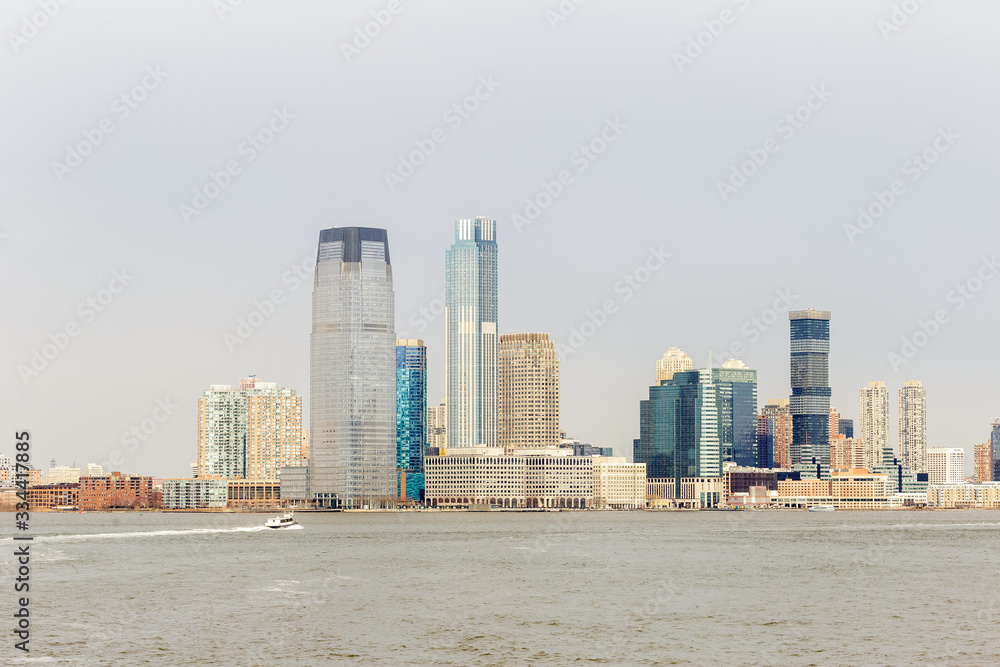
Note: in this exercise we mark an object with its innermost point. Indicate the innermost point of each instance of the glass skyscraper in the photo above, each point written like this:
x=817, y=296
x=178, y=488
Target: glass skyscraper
x=678, y=429
x=810, y=399
x=471, y=334
x=411, y=416
x=736, y=403
x=352, y=373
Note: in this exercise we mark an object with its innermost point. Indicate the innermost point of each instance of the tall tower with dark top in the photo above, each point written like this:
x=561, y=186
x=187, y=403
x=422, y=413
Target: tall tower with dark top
x=810, y=375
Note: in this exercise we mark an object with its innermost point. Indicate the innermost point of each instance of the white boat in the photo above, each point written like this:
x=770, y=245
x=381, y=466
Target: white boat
x=823, y=508
x=285, y=521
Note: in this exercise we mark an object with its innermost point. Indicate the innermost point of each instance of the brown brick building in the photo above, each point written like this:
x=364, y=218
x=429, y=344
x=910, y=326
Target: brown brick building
x=47, y=496
x=115, y=491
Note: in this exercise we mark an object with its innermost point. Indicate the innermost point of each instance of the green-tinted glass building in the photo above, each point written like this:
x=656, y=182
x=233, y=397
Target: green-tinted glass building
x=411, y=417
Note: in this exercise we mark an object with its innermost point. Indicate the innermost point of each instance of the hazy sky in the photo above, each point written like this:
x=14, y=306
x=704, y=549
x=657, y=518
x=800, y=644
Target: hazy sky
x=117, y=112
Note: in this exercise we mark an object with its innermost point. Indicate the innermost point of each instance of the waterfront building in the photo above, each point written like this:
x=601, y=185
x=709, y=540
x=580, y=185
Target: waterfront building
x=810, y=379
x=741, y=480
x=964, y=496
x=437, y=420
x=945, y=465
x=199, y=493
x=253, y=493
x=844, y=489
x=777, y=434
x=529, y=391
x=840, y=452
x=984, y=462
x=736, y=406
x=114, y=491
x=687, y=492
x=846, y=427
x=92, y=470
x=352, y=375
x=471, y=334
x=47, y=496
x=62, y=475
x=222, y=432
x=913, y=425
x=874, y=415
x=411, y=415
x=995, y=446
x=673, y=361
x=678, y=428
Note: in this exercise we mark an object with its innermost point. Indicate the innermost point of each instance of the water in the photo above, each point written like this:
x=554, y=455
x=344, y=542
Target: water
x=637, y=588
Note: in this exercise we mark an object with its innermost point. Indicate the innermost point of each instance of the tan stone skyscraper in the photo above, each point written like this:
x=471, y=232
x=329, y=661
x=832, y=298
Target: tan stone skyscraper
x=875, y=424
x=913, y=425
x=777, y=420
x=674, y=360
x=984, y=462
x=529, y=391
x=274, y=428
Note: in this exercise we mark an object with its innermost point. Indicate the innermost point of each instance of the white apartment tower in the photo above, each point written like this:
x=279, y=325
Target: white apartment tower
x=874, y=426
x=945, y=465
x=913, y=425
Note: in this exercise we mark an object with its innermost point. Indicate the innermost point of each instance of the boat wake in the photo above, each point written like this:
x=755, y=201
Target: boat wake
x=82, y=537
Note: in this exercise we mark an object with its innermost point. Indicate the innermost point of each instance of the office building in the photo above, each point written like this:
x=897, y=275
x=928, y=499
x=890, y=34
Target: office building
x=913, y=425
x=253, y=494
x=529, y=391
x=736, y=406
x=352, y=375
x=810, y=379
x=846, y=427
x=411, y=417
x=844, y=489
x=471, y=334
x=874, y=414
x=62, y=475
x=92, y=470
x=984, y=463
x=437, y=425
x=673, y=361
x=776, y=422
x=945, y=465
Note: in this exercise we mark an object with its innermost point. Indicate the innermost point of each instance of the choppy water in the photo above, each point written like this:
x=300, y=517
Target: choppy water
x=779, y=588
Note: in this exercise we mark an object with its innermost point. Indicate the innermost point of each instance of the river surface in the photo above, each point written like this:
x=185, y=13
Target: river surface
x=635, y=588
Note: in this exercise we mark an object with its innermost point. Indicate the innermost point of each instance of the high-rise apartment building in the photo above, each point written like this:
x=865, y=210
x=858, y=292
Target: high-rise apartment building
x=352, y=375
x=471, y=334
x=673, y=361
x=776, y=418
x=913, y=425
x=437, y=425
x=874, y=414
x=736, y=406
x=678, y=427
x=984, y=462
x=847, y=453
x=945, y=465
x=846, y=427
x=529, y=391
x=810, y=375
x=834, y=422
x=222, y=432
x=995, y=446
x=411, y=416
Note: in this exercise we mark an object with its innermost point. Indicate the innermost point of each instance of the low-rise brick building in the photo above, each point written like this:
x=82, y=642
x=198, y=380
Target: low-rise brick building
x=115, y=491
x=47, y=496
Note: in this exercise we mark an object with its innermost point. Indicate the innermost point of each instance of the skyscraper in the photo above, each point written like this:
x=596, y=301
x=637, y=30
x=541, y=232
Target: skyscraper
x=810, y=374
x=874, y=424
x=736, y=405
x=995, y=446
x=274, y=428
x=529, y=391
x=777, y=423
x=222, y=432
x=411, y=415
x=984, y=462
x=945, y=465
x=846, y=427
x=437, y=425
x=471, y=334
x=352, y=373
x=834, y=422
x=913, y=425
x=673, y=360
x=678, y=427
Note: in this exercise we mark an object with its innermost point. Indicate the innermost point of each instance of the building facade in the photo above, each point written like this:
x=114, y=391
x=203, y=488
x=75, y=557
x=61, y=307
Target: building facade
x=437, y=425
x=352, y=374
x=62, y=475
x=984, y=462
x=47, y=496
x=114, y=490
x=411, y=417
x=222, y=432
x=253, y=494
x=945, y=465
x=995, y=446
x=874, y=425
x=673, y=361
x=810, y=379
x=964, y=496
x=529, y=391
x=775, y=429
x=913, y=425
x=846, y=427
x=736, y=406
x=471, y=344
x=195, y=493
x=274, y=428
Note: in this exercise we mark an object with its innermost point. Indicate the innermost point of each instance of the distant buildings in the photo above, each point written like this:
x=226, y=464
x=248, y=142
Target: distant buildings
x=114, y=491
x=200, y=493
x=995, y=446
x=736, y=406
x=846, y=427
x=810, y=378
x=874, y=413
x=471, y=344
x=913, y=425
x=673, y=361
x=62, y=475
x=775, y=430
x=984, y=462
x=945, y=465
x=437, y=420
x=222, y=432
x=92, y=470
x=844, y=489
x=964, y=496
x=529, y=391
x=411, y=417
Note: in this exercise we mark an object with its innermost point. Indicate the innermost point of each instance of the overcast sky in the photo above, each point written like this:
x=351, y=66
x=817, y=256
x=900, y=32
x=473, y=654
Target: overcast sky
x=117, y=112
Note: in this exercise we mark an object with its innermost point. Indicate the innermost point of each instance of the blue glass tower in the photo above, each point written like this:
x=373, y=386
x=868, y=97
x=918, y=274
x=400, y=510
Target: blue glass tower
x=810, y=399
x=471, y=344
x=847, y=427
x=736, y=403
x=411, y=411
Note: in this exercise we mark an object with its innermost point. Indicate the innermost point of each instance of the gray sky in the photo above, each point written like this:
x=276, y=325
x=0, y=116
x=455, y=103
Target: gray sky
x=329, y=121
